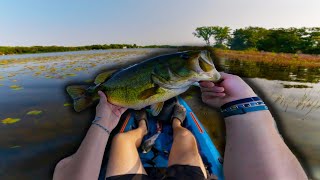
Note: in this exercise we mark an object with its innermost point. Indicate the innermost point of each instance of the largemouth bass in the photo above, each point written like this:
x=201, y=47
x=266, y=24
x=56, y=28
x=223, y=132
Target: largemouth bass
x=150, y=82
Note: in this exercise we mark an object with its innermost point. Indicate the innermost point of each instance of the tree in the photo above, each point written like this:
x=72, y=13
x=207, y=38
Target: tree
x=247, y=38
x=205, y=33
x=221, y=36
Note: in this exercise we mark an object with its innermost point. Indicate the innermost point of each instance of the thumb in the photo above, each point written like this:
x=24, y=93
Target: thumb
x=103, y=97
x=122, y=110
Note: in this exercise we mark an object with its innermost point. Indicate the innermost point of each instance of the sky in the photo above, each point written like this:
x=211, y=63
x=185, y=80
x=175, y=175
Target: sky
x=144, y=22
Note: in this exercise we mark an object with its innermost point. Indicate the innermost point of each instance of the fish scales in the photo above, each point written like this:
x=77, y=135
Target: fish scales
x=149, y=82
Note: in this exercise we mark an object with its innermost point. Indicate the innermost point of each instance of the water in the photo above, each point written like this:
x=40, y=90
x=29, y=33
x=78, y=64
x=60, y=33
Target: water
x=293, y=94
x=30, y=147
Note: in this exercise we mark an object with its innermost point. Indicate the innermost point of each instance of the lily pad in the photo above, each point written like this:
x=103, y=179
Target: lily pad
x=13, y=147
x=34, y=112
x=88, y=81
x=16, y=87
x=70, y=74
x=79, y=69
x=10, y=120
x=66, y=104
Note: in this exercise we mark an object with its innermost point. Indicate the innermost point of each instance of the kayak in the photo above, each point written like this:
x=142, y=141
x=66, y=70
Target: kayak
x=158, y=156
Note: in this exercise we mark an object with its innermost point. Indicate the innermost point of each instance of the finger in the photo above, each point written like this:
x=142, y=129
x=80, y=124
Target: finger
x=103, y=97
x=226, y=75
x=122, y=110
x=213, y=94
x=206, y=84
x=216, y=89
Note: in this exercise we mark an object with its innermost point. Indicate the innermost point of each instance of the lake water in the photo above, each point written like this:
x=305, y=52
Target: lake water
x=31, y=144
x=293, y=94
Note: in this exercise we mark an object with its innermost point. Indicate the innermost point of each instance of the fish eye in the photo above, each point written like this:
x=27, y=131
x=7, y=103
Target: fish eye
x=184, y=56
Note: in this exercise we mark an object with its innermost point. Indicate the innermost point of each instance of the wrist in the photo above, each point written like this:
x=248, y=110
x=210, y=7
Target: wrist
x=103, y=123
x=242, y=96
x=242, y=106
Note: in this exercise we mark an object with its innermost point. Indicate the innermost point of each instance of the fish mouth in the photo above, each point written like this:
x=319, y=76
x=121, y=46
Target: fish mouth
x=206, y=68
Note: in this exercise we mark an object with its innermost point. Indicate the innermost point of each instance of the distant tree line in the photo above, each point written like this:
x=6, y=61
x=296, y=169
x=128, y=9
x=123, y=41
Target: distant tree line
x=287, y=40
x=44, y=49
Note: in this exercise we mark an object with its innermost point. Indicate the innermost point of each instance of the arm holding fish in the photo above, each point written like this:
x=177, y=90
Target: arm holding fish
x=254, y=148
x=86, y=162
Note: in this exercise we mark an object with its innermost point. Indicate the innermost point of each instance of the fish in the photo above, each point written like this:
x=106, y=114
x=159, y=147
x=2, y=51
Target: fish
x=149, y=83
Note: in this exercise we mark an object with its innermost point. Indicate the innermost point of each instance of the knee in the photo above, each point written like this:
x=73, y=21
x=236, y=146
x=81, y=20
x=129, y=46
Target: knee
x=186, y=136
x=59, y=170
x=122, y=138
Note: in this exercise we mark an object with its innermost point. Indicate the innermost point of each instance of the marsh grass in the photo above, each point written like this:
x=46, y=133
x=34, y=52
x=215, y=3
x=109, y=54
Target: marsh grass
x=305, y=60
x=307, y=103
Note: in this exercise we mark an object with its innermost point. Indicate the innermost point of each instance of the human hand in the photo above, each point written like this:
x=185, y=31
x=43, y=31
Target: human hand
x=109, y=114
x=230, y=89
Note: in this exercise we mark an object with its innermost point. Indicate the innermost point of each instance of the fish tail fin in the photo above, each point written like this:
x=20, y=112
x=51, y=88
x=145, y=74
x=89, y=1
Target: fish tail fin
x=80, y=98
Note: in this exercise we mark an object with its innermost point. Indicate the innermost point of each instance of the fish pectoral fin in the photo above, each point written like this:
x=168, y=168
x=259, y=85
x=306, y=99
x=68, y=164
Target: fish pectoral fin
x=173, y=76
x=148, y=93
x=156, y=108
x=102, y=77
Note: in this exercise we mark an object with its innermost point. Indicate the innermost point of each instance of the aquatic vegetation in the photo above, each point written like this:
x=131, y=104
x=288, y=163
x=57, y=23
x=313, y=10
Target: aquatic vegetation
x=1, y=85
x=79, y=69
x=296, y=86
x=88, y=81
x=34, y=112
x=70, y=74
x=13, y=147
x=305, y=60
x=66, y=104
x=10, y=120
x=16, y=87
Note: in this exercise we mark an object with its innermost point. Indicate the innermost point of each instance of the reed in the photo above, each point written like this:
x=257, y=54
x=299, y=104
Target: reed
x=305, y=60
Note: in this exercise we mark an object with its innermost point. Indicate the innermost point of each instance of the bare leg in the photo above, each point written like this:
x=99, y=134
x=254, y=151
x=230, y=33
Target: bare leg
x=184, y=149
x=124, y=157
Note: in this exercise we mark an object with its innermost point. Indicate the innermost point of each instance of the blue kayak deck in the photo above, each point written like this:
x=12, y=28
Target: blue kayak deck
x=158, y=156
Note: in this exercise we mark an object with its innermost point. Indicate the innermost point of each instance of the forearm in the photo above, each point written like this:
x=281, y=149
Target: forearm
x=86, y=162
x=255, y=150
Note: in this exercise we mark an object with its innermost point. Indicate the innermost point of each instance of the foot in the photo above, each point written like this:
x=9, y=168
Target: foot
x=140, y=118
x=179, y=114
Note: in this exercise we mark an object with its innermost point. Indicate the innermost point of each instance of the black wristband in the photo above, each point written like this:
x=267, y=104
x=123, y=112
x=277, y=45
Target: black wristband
x=243, y=106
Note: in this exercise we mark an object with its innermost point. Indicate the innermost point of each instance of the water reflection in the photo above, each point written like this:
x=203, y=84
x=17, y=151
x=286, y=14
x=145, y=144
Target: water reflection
x=271, y=71
x=293, y=92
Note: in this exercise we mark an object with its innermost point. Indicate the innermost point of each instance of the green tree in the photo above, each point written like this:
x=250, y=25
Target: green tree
x=205, y=33
x=282, y=40
x=221, y=36
x=247, y=38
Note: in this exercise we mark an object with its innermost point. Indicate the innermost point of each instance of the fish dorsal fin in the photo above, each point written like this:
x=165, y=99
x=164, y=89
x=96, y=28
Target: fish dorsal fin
x=156, y=108
x=103, y=76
